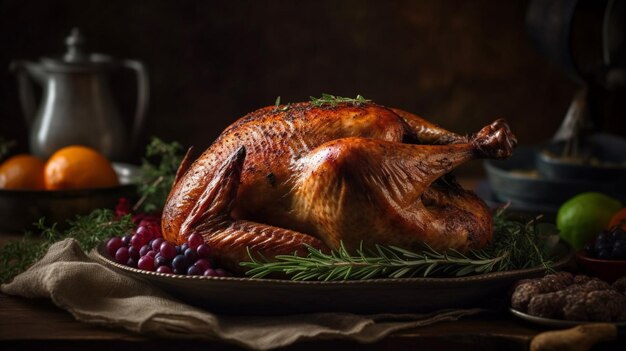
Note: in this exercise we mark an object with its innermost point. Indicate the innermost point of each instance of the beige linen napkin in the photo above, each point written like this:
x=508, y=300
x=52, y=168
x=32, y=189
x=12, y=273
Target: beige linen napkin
x=96, y=294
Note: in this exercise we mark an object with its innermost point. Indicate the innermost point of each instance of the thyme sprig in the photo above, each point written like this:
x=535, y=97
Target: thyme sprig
x=88, y=231
x=278, y=107
x=517, y=245
x=332, y=100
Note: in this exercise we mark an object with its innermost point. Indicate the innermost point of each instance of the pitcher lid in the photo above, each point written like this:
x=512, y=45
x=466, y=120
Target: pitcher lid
x=76, y=59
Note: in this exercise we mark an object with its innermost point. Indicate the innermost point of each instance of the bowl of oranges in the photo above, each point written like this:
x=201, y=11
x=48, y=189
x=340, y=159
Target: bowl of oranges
x=75, y=180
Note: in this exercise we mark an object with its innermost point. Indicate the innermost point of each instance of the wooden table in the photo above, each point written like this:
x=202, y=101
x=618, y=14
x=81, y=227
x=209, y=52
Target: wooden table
x=38, y=324
x=27, y=324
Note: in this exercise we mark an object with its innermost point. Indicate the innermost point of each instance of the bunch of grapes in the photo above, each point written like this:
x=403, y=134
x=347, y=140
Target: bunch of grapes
x=146, y=249
x=609, y=244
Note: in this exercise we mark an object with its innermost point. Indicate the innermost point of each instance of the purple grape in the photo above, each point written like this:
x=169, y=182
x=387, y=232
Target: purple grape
x=193, y=270
x=203, y=251
x=126, y=240
x=144, y=232
x=619, y=252
x=121, y=255
x=191, y=255
x=167, y=250
x=604, y=255
x=144, y=250
x=137, y=241
x=181, y=249
x=221, y=273
x=134, y=253
x=209, y=273
x=164, y=269
x=180, y=263
x=156, y=244
x=195, y=240
x=146, y=263
x=149, y=221
x=203, y=264
x=113, y=244
x=131, y=263
x=161, y=261
x=151, y=253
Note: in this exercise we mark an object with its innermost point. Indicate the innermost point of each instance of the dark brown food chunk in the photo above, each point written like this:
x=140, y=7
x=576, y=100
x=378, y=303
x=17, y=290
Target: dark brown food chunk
x=581, y=279
x=575, y=298
x=575, y=310
x=557, y=281
x=547, y=305
x=596, y=284
x=523, y=293
x=599, y=306
x=620, y=285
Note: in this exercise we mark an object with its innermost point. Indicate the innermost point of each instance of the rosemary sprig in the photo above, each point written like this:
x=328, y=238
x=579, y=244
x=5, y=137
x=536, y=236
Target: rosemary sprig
x=516, y=245
x=87, y=230
x=158, y=172
x=531, y=243
x=386, y=261
x=332, y=100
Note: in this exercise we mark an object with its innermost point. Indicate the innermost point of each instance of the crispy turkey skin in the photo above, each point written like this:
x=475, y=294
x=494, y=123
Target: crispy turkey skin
x=280, y=178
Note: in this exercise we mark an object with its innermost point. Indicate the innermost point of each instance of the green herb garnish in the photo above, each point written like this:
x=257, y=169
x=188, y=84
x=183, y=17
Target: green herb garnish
x=158, y=171
x=516, y=245
x=332, y=100
x=88, y=231
x=277, y=106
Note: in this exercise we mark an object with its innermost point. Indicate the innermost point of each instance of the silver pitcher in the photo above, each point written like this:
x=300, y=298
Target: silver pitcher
x=77, y=106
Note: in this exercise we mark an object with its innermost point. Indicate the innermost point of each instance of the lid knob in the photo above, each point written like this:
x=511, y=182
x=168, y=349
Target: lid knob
x=75, y=43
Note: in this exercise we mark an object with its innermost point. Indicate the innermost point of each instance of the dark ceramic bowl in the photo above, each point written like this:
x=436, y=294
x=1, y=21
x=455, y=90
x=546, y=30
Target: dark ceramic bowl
x=518, y=181
x=608, y=270
x=608, y=153
x=19, y=209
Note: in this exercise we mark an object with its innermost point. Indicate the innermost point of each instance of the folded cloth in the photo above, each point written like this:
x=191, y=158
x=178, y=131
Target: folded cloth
x=96, y=294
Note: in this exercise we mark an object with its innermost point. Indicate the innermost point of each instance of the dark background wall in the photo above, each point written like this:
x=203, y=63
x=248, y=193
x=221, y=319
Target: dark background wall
x=459, y=63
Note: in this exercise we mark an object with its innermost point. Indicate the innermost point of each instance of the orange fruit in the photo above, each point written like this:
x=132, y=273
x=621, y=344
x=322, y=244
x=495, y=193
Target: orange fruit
x=618, y=219
x=22, y=172
x=78, y=167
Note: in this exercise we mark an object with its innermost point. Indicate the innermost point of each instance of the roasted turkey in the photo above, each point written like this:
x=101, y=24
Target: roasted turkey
x=282, y=177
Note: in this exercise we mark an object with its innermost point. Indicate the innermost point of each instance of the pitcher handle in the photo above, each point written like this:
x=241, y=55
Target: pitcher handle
x=143, y=95
x=25, y=88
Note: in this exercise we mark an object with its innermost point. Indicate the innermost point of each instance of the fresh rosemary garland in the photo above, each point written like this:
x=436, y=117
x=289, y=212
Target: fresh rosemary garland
x=332, y=100
x=88, y=231
x=517, y=245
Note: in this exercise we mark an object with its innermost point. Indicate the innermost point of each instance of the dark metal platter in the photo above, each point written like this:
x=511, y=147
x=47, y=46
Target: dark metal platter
x=554, y=323
x=273, y=296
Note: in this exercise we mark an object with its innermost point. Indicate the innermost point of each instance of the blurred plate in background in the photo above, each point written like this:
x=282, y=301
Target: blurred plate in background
x=518, y=181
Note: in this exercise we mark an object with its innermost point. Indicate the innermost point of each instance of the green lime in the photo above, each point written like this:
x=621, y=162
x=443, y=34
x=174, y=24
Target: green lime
x=582, y=217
